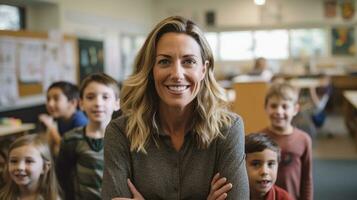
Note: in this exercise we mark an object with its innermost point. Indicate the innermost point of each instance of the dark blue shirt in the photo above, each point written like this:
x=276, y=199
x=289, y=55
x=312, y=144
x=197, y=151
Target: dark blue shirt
x=78, y=119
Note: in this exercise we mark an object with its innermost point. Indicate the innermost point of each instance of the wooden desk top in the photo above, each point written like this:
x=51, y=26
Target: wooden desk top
x=351, y=96
x=305, y=82
x=8, y=130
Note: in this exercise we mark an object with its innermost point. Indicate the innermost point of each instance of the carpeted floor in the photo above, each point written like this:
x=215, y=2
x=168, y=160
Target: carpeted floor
x=335, y=162
x=335, y=179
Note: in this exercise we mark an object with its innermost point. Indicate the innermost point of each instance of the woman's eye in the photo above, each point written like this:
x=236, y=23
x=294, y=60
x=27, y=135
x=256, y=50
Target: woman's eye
x=163, y=62
x=190, y=62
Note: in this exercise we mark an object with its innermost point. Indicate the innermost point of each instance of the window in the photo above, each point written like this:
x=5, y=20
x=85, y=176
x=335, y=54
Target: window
x=11, y=17
x=308, y=43
x=212, y=39
x=130, y=46
x=236, y=45
x=271, y=44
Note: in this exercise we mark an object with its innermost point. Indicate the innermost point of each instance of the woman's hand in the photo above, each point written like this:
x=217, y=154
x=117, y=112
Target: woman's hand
x=134, y=191
x=219, y=188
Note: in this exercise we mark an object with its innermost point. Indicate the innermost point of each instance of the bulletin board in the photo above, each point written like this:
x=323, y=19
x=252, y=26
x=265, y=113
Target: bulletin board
x=91, y=57
x=31, y=61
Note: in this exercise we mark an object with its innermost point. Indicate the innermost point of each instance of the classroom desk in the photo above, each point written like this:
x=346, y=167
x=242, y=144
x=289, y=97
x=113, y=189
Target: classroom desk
x=350, y=111
x=305, y=83
x=6, y=130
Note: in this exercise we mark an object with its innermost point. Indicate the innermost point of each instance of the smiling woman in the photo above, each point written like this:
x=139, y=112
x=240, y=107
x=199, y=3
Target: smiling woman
x=175, y=134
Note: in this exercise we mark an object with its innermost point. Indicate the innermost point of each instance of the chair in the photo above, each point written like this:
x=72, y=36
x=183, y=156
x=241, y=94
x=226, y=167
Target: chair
x=249, y=104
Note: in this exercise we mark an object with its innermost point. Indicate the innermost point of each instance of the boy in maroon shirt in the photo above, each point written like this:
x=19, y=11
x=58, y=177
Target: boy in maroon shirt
x=295, y=167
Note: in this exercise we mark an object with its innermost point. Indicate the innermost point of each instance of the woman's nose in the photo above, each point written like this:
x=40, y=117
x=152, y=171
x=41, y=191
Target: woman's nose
x=177, y=70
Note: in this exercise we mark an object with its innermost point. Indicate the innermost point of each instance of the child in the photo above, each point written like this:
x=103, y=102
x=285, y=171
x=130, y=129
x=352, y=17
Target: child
x=295, y=167
x=320, y=97
x=80, y=160
x=30, y=171
x=62, y=103
x=262, y=157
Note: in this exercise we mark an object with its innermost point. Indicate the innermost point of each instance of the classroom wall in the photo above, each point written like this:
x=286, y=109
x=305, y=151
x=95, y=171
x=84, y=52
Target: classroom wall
x=245, y=15
x=42, y=16
x=106, y=21
x=91, y=19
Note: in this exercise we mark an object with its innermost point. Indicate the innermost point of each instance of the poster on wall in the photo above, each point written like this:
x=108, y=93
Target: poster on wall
x=30, y=60
x=343, y=41
x=347, y=9
x=8, y=79
x=91, y=57
x=330, y=8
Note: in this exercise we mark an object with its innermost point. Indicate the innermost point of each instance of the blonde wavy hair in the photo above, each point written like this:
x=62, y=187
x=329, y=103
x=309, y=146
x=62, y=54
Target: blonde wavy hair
x=139, y=99
x=48, y=186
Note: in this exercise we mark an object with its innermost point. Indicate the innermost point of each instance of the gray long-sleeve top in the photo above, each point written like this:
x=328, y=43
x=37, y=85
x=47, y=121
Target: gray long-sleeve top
x=164, y=173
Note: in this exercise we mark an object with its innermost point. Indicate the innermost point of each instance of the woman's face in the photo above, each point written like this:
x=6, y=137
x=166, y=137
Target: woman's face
x=178, y=70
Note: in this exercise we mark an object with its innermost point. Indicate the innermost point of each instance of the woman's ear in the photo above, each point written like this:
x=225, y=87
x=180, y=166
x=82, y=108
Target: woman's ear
x=205, y=68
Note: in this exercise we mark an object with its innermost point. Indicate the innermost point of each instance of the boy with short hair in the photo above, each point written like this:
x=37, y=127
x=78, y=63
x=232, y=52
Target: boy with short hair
x=295, y=167
x=63, y=115
x=262, y=157
x=80, y=161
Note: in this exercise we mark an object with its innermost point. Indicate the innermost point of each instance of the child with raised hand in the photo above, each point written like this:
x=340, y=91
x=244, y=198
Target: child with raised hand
x=262, y=157
x=80, y=160
x=29, y=171
x=62, y=103
x=295, y=166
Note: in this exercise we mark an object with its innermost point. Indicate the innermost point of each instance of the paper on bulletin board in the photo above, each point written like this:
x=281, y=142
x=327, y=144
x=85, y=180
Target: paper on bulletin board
x=51, y=60
x=30, y=60
x=8, y=81
x=68, y=65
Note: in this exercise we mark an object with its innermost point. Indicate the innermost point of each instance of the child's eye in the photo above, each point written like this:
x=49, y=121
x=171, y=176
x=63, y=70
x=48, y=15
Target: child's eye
x=271, y=164
x=29, y=161
x=106, y=97
x=255, y=164
x=13, y=161
x=89, y=97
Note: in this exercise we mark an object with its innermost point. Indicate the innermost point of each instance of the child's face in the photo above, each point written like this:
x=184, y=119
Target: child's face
x=58, y=104
x=26, y=166
x=99, y=102
x=281, y=112
x=262, y=168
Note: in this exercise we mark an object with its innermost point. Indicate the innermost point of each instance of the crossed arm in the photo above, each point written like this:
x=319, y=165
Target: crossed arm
x=218, y=191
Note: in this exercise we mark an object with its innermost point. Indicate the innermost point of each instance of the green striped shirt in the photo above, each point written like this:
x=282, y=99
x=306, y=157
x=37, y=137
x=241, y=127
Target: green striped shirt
x=80, y=165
